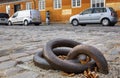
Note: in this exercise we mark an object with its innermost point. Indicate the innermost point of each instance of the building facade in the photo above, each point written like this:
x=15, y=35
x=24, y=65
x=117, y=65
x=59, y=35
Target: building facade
x=60, y=10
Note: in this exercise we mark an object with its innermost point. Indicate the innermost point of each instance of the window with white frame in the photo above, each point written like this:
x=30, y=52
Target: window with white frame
x=8, y=9
x=41, y=5
x=97, y=3
x=28, y=5
x=76, y=3
x=57, y=4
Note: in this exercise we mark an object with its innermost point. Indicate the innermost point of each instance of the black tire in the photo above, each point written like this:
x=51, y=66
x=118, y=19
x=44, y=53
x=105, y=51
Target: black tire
x=93, y=53
x=75, y=22
x=9, y=23
x=26, y=23
x=36, y=24
x=64, y=65
x=105, y=22
x=41, y=62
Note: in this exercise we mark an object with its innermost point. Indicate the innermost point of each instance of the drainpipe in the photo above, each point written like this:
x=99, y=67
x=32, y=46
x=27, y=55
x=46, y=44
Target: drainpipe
x=34, y=1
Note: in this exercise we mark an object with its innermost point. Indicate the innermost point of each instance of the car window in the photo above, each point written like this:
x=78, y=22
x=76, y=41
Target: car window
x=4, y=15
x=88, y=11
x=15, y=15
x=99, y=10
x=111, y=9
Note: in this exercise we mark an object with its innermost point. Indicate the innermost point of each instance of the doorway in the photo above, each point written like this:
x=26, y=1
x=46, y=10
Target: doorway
x=17, y=7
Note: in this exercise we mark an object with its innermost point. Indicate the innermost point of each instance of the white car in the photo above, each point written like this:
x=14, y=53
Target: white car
x=104, y=15
x=25, y=17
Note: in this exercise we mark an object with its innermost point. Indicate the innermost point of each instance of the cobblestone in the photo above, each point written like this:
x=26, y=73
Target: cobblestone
x=4, y=58
x=17, y=55
x=33, y=51
x=11, y=71
x=18, y=44
x=25, y=59
x=4, y=52
x=26, y=74
x=6, y=65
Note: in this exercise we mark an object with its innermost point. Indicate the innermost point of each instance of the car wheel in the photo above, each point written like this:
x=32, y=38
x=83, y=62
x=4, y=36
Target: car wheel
x=9, y=23
x=26, y=23
x=105, y=22
x=75, y=22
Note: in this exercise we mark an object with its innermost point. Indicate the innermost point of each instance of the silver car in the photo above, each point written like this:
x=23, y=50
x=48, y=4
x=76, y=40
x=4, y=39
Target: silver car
x=4, y=18
x=104, y=15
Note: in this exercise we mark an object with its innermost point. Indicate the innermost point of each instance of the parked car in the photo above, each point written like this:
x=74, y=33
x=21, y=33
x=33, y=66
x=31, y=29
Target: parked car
x=25, y=17
x=104, y=15
x=4, y=18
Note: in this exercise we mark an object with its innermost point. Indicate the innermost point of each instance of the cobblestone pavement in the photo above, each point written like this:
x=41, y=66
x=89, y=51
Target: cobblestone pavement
x=18, y=44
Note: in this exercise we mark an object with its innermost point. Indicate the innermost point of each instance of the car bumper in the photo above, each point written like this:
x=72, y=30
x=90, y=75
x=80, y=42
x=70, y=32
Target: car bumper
x=114, y=20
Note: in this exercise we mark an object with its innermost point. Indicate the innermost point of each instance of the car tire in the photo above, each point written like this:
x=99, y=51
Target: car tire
x=9, y=23
x=105, y=22
x=75, y=22
x=26, y=23
x=93, y=53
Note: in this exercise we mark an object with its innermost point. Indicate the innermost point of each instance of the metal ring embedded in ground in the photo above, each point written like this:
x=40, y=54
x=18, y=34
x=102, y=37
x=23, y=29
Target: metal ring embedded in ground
x=92, y=52
x=64, y=65
x=40, y=61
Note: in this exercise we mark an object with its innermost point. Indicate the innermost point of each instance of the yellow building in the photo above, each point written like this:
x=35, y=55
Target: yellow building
x=60, y=10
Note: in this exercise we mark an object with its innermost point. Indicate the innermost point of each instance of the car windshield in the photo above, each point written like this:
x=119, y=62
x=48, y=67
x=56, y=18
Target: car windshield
x=3, y=15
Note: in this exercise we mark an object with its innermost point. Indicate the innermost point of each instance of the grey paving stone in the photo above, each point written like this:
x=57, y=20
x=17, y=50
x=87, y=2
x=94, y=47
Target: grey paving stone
x=26, y=74
x=20, y=39
x=12, y=71
x=4, y=52
x=25, y=59
x=6, y=65
x=115, y=51
x=4, y=58
x=112, y=58
x=1, y=74
x=34, y=51
x=17, y=55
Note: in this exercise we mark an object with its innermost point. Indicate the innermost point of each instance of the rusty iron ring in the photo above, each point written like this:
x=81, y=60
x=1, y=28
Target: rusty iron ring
x=41, y=62
x=64, y=65
x=93, y=53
